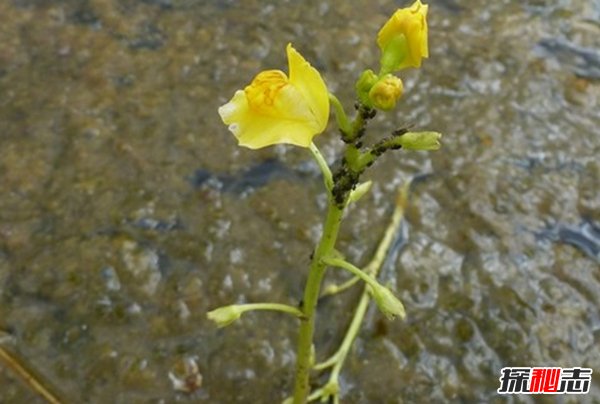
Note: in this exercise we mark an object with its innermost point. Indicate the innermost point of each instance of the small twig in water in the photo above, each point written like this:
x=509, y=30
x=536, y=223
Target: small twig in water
x=11, y=362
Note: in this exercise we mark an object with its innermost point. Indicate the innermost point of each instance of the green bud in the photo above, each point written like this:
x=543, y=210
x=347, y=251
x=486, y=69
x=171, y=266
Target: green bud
x=386, y=92
x=388, y=304
x=420, y=140
x=367, y=80
x=223, y=316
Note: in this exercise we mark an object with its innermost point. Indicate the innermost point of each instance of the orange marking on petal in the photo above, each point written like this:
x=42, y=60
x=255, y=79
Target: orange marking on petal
x=265, y=87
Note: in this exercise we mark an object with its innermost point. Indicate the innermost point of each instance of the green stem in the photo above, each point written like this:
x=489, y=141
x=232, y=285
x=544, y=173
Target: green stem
x=350, y=336
x=340, y=115
x=332, y=360
x=335, y=289
x=340, y=263
x=271, y=307
x=327, y=176
x=309, y=303
x=358, y=124
x=353, y=158
x=373, y=266
x=386, y=241
x=337, y=360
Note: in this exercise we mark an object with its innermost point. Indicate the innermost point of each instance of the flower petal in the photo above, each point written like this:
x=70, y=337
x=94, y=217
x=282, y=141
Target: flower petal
x=310, y=84
x=256, y=130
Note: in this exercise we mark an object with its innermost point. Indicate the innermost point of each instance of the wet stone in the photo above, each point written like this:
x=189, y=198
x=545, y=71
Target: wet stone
x=143, y=264
x=111, y=278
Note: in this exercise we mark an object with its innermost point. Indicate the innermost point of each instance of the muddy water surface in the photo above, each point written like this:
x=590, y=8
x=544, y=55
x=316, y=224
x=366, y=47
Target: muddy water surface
x=127, y=210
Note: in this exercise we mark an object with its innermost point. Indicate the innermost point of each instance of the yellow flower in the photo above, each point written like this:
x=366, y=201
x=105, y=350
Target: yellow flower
x=412, y=23
x=386, y=92
x=276, y=108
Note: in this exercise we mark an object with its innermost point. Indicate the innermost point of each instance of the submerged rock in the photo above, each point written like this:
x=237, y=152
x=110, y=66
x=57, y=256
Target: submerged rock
x=254, y=177
x=585, y=237
x=143, y=264
x=584, y=62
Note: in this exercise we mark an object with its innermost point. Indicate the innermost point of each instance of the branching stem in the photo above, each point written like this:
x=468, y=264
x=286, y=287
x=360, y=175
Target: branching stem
x=336, y=361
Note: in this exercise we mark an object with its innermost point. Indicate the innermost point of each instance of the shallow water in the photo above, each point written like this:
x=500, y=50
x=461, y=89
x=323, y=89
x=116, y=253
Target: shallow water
x=127, y=210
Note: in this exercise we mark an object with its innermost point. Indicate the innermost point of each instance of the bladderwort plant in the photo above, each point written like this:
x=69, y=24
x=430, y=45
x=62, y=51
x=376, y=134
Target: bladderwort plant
x=276, y=108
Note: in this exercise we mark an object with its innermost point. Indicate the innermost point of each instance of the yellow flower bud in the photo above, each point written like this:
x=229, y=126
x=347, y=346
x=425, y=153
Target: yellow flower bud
x=411, y=23
x=276, y=108
x=386, y=92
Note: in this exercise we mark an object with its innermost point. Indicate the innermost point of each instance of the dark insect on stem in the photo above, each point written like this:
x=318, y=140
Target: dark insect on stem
x=399, y=132
x=345, y=137
x=402, y=131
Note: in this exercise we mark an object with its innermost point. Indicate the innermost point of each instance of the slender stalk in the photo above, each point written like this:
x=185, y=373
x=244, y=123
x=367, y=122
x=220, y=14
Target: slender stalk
x=358, y=124
x=272, y=307
x=335, y=289
x=356, y=271
x=340, y=115
x=338, y=358
x=390, y=232
x=350, y=336
x=309, y=303
x=327, y=176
